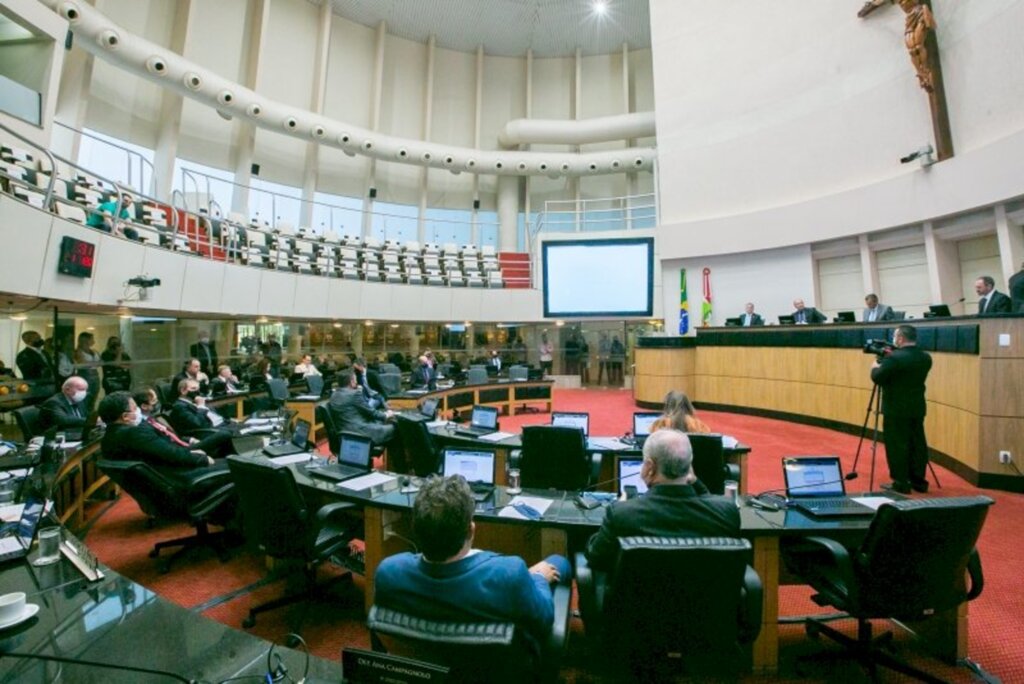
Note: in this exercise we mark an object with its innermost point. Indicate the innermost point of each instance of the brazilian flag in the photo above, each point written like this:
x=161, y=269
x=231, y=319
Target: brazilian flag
x=684, y=304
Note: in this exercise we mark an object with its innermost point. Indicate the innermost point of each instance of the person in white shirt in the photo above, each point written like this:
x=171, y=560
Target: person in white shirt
x=305, y=367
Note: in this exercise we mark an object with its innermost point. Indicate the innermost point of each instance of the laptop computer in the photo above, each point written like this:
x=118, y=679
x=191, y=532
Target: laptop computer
x=734, y=322
x=642, y=422
x=629, y=475
x=476, y=466
x=483, y=422
x=354, y=459
x=296, y=445
x=846, y=317
x=17, y=537
x=815, y=485
x=426, y=411
x=938, y=311
x=576, y=420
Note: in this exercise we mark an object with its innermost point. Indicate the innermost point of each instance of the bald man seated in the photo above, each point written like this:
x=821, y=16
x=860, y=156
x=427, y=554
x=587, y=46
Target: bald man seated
x=66, y=410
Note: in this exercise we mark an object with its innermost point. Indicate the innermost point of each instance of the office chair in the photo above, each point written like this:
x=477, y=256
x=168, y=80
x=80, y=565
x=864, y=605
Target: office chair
x=315, y=384
x=206, y=498
x=709, y=462
x=324, y=417
x=554, y=457
x=280, y=524
x=477, y=375
x=391, y=383
x=421, y=454
x=27, y=418
x=519, y=373
x=475, y=651
x=278, y=391
x=166, y=393
x=913, y=564
x=694, y=602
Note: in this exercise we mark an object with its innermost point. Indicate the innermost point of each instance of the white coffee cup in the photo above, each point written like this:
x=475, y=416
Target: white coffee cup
x=12, y=606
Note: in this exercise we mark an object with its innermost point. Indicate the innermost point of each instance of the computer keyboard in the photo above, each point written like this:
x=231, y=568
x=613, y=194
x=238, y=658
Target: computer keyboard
x=837, y=502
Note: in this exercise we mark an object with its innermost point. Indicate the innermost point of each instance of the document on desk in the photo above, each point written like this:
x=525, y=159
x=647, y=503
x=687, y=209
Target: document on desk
x=358, y=484
x=11, y=512
x=873, y=502
x=292, y=458
x=305, y=397
x=436, y=423
x=540, y=504
x=495, y=436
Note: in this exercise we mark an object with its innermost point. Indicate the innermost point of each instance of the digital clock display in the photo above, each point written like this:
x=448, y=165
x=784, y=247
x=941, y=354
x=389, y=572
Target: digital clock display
x=76, y=257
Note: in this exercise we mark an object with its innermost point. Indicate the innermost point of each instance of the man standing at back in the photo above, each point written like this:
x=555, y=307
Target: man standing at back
x=900, y=375
x=32, y=360
x=205, y=352
x=450, y=580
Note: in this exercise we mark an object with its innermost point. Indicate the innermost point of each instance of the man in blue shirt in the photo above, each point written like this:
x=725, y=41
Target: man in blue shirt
x=450, y=580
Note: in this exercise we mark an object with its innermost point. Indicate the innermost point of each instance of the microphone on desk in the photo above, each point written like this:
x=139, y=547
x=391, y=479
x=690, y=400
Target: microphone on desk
x=757, y=501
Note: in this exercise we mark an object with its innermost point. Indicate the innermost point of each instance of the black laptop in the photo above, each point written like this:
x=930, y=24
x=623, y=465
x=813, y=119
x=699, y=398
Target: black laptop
x=297, y=444
x=734, y=322
x=846, y=317
x=483, y=422
x=354, y=459
x=815, y=485
x=938, y=311
x=642, y=422
x=476, y=466
x=427, y=411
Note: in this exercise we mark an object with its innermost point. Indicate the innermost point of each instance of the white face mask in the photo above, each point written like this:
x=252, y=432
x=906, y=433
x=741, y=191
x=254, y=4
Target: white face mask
x=138, y=418
x=79, y=396
x=204, y=340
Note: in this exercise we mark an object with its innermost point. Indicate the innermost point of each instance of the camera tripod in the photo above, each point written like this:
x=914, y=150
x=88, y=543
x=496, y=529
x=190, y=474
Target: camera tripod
x=875, y=406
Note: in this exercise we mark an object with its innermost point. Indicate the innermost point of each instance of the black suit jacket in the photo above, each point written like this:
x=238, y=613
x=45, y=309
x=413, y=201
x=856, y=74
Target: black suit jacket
x=901, y=376
x=755, y=319
x=207, y=355
x=33, y=365
x=665, y=510
x=1016, y=287
x=424, y=376
x=373, y=380
x=997, y=303
x=143, y=443
x=186, y=418
x=351, y=413
x=58, y=412
x=811, y=315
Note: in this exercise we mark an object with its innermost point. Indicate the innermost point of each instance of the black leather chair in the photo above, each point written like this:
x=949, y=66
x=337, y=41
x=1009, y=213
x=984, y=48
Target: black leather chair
x=421, y=454
x=709, y=462
x=475, y=651
x=324, y=417
x=914, y=563
x=27, y=418
x=278, y=391
x=166, y=393
x=278, y=521
x=693, y=603
x=208, y=497
x=554, y=457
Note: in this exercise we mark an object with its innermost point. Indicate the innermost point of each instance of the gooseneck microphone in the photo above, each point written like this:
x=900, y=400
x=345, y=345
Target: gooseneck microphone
x=763, y=500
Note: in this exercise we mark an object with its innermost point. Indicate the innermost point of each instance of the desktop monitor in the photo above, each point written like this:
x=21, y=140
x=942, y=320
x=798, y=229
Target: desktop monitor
x=938, y=311
x=787, y=320
x=733, y=322
x=846, y=317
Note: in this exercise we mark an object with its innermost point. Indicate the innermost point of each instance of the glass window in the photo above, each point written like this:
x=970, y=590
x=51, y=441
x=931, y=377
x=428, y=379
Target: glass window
x=274, y=202
x=116, y=160
x=343, y=214
x=487, y=228
x=448, y=225
x=395, y=221
x=200, y=184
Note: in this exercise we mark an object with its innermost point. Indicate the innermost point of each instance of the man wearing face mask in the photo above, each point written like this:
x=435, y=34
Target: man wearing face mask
x=66, y=410
x=191, y=417
x=130, y=438
x=205, y=352
x=149, y=405
x=32, y=361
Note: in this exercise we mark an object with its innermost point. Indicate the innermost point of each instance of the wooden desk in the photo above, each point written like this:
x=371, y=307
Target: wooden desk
x=504, y=394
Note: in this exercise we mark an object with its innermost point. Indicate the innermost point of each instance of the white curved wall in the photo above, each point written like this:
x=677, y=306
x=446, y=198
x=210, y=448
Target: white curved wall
x=190, y=284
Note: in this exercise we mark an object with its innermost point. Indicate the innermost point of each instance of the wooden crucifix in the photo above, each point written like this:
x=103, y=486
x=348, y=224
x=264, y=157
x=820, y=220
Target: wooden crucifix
x=923, y=46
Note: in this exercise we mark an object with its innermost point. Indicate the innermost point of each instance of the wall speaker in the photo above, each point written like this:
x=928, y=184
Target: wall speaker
x=476, y=204
x=373, y=193
x=255, y=169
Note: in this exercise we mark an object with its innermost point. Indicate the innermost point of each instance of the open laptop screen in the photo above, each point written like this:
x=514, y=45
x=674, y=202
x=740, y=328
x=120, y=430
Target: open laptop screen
x=813, y=476
x=485, y=417
x=429, y=408
x=576, y=420
x=629, y=474
x=642, y=423
x=354, y=451
x=474, y=466
x=301, y=435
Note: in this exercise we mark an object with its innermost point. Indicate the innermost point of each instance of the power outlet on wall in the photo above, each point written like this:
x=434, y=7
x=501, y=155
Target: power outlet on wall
x=1005, y=457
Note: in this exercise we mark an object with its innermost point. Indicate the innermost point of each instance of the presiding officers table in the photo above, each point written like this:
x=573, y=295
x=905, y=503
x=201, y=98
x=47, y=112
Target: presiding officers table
x=386, y=511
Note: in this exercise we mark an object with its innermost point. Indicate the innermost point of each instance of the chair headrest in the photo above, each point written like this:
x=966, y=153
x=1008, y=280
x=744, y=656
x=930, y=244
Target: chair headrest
x=393, y=622
x=670, y=543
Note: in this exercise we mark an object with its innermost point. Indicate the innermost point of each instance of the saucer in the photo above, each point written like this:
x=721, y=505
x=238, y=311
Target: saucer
x=30, y=610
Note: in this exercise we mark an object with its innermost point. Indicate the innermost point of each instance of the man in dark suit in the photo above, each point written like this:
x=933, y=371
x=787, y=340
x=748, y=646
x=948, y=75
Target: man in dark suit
x=205, y=351
x=191, y=417
x=806, y=314
x=875, y=311
x=32, y=362
x=368, y=381
x=748, y=318
x=66, y=410
x=900, y=375
x=424, y=376
x=1016, y=287
x=129, y=438
x=352, y=413
x=672, y=506
x=990, y=300
x=449, y=580
x=149, y=405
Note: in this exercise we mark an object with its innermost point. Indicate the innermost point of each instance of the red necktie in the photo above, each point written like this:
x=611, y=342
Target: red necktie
x=167, y=433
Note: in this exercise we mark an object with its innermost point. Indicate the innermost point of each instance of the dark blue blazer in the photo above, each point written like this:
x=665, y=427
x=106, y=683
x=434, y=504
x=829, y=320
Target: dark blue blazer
x=483, y=586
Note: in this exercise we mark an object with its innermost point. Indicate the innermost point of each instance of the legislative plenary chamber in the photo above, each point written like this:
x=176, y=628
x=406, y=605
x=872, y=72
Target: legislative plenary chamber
x=511, y=340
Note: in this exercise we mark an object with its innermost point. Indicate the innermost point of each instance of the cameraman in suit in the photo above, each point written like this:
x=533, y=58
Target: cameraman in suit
x=900, y=375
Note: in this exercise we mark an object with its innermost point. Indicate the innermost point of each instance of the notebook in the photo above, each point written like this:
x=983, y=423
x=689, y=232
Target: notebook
x=629, y=474
x=483, y=422
x=476, y=466
x=642, y=422
x=296, y=445
x=815, y=485
x=354, y=459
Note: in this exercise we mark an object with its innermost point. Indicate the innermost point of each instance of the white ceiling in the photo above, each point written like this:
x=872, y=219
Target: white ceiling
x=553, y=28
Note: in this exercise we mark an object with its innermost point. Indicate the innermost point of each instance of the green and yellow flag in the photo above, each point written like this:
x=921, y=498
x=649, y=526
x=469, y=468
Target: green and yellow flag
x=684, y=304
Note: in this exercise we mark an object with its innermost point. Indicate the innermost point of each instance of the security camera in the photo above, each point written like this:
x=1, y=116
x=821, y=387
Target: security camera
x=144, y=282
x=922, y=153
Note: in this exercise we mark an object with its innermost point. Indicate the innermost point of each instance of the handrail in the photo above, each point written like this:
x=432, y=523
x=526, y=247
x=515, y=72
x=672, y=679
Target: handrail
x=129, y=152
x=48, y=195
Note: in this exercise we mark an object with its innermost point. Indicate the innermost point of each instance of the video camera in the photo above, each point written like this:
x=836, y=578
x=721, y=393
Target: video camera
x=879, y=348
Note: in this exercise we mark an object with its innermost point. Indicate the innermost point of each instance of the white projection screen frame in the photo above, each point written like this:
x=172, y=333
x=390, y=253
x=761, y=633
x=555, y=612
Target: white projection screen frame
x=611, y=278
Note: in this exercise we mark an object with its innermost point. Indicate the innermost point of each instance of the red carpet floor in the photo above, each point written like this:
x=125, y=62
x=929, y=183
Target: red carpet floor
x=996, y=640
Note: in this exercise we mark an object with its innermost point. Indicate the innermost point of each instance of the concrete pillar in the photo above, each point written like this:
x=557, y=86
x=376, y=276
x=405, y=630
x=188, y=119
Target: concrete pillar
x=245, y=132
x=508, y=213
x=316, y=104
x=943, y=270
x=868, y=267
x=1011, y=243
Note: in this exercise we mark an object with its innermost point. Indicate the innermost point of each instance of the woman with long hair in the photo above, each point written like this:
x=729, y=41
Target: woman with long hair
x=679, y=414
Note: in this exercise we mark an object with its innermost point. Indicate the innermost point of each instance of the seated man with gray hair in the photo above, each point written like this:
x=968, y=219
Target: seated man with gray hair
x=675, y=504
